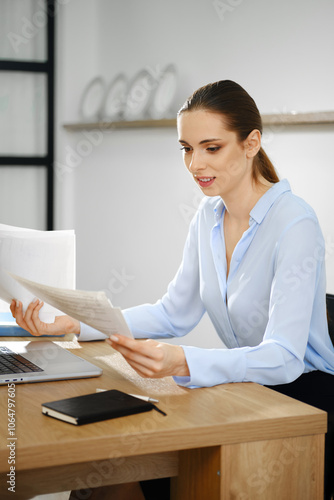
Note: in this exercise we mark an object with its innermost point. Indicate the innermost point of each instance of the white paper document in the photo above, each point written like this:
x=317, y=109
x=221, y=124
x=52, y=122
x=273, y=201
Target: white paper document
x=92, y=308
x=44, y=256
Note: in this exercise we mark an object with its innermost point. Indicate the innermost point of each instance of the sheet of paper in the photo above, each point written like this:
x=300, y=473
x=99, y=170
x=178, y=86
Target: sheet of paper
x=44, y=256
x=92, y=308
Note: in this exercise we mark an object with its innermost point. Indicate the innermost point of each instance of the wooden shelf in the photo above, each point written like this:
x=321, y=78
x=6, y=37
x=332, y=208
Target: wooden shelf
x=312, y=118
x=122, y=124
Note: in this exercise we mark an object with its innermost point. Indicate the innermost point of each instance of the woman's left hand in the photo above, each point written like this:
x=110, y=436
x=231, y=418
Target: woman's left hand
x=151, y=359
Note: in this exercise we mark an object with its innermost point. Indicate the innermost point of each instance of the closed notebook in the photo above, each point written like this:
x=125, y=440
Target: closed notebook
x=95, y=407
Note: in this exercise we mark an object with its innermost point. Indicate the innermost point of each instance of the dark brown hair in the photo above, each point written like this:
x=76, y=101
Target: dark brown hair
x=240, y=114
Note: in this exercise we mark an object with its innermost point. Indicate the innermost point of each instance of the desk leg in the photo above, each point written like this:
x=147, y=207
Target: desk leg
x=199, y=475
x=264, y=470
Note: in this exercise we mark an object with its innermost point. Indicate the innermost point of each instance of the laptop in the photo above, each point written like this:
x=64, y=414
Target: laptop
x=41, y=361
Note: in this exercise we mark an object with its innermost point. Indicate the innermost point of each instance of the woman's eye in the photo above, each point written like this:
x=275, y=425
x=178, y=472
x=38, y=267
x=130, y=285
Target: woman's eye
x=212, y=149
x=186, y=149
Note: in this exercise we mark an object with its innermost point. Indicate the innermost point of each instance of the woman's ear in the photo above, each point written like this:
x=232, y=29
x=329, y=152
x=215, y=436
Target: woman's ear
x=253, y=143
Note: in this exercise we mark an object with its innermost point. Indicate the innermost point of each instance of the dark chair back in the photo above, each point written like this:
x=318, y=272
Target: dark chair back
x=330, y=315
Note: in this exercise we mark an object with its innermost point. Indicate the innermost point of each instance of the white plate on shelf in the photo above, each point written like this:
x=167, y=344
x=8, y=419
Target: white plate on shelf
x=115, y=98
x=163, y=96
x=92, y=99
x=139, y=96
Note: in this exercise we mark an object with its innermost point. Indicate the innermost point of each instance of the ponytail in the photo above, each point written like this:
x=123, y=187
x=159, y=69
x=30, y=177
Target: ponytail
x=262, y=166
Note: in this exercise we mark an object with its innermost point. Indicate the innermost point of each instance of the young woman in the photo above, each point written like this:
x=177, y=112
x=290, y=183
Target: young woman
x=254, y=260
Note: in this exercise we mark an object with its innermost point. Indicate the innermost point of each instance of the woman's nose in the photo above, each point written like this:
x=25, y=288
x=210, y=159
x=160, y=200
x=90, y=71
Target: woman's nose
x=195, y=163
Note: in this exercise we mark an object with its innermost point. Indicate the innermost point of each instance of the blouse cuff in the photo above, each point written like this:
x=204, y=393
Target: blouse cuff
x=209, y=367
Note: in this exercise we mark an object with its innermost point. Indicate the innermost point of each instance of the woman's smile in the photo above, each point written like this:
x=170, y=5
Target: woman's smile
x=205, y=182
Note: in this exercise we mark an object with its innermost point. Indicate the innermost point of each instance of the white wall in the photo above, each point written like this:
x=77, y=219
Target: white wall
x=126, y=193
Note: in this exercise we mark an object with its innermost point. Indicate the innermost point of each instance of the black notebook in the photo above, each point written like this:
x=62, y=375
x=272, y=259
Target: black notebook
x=95, y=407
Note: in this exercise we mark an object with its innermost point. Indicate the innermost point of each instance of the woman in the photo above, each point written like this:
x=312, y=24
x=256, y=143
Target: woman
x=254, y=260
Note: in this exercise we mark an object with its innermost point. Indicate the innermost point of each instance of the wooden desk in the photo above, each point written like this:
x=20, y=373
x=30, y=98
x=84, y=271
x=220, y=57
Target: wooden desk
x=236, y=441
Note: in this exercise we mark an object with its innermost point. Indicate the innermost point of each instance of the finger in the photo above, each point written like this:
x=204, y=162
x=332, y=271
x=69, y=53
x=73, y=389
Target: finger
x=35, y=323
x=12, y=307
x=125, y=351
x=30, y=309
x=143, y=370
x=30, y=317
x=19, y=313
x=144, y=365
x=141, y=364
x=132, y=354
x=35, y=314
x=145, y=348
x=124, y=341
x=19, y=317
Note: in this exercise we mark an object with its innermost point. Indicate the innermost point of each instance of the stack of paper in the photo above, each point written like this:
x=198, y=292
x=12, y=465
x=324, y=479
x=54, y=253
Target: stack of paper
x=42, y=264
x=44, y=256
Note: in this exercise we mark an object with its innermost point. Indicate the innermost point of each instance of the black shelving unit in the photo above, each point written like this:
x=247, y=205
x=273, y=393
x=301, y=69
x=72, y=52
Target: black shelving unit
x=48, y=68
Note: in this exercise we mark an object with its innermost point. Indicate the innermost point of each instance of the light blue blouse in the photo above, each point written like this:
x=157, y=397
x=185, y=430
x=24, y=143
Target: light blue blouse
x=270, y=312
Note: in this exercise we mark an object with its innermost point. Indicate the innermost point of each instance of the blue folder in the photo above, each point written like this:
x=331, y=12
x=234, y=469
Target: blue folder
x=9, y=327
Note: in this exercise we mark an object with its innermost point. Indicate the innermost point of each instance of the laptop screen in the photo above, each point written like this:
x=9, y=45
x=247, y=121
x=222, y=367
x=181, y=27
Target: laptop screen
x=9, y=327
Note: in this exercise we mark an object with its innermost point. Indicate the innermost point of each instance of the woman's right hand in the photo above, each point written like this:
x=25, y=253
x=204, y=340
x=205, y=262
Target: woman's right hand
x=30, y=320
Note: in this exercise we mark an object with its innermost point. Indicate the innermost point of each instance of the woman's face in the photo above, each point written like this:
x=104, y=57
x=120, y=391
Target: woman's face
x=213, y=154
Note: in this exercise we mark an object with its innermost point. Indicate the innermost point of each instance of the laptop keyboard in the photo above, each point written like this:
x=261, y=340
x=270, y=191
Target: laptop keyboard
x=10, y=362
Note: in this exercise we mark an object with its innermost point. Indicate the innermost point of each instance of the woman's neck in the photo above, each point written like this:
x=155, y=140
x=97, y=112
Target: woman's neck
x=239, y=205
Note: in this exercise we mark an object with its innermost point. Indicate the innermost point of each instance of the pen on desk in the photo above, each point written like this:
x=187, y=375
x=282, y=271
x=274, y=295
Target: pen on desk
x=144, y=398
